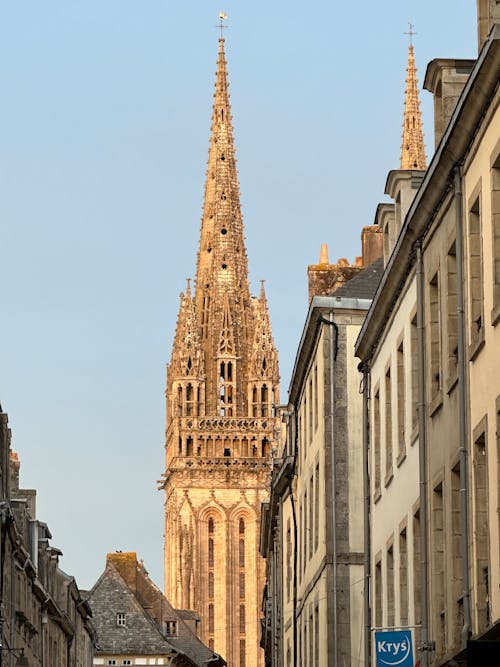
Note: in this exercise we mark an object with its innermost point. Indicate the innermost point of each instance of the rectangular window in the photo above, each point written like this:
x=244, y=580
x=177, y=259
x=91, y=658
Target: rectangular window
x=305, y=531
x=316, y=636
x=451, y=313
x=171, y=629
x=378, y=594
x=495, y=221
x=121, y=619
x=243, y=652
x=300, y=534
x=417, y=570
x=390, y=588
x=316, y=507
x=376, y=443
x=401, y=398
x=476, y=295
x=315, y=397
x=403, y=578
x=414, y=373
x=242, y=585
x=481, y=528
x=434, y=337
x=388, y=426
x=288, y=560
x=437, y=556
x=310, y=420
x=311, y=515
x=456, y=557
x=311, y=639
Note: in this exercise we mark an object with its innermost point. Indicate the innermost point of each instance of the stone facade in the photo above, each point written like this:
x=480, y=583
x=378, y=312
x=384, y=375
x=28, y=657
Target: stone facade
x=430, y=357
x=222, y=384
x=44, y=616
x=313, y=525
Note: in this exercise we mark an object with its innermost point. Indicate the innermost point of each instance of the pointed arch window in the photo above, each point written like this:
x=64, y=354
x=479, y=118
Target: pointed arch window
x=264, y=398
x=242, y=552
x=226, y=387
x=189, y=400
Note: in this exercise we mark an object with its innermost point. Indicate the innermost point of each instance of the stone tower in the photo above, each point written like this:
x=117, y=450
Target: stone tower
x=222, y=383
x=412, y=148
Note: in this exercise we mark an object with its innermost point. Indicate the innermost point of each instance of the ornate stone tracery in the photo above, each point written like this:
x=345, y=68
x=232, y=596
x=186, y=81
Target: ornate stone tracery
x=222, y=384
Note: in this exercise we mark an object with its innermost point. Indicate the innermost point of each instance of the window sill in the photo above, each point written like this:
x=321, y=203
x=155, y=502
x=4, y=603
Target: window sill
x=388, y=478
x=414, y=435
x=476, y=344
x=401, y=457
x=451, y=383
x=377, y=495
x=495, y=315
x=436, y=404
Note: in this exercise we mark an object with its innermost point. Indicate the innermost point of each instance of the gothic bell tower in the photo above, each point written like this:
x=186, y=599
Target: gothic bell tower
x=222, y=383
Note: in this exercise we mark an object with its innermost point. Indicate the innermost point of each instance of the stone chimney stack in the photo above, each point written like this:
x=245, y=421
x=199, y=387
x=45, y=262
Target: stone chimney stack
x=488, y=13
x=445, y=78
x=372, y=244
x=324, y=278
x=126, y=564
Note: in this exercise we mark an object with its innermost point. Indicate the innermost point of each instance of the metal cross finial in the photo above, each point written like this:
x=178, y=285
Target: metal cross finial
x=411, y=32
x=221, y=26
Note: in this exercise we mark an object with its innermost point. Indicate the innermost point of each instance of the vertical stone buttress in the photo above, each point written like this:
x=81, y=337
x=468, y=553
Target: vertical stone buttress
x=222, y=383
x=412, y=147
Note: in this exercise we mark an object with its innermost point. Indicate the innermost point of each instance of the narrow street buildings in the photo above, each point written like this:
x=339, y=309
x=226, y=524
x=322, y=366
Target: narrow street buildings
x=430, y=356
x=312, y=530
x=44, y=619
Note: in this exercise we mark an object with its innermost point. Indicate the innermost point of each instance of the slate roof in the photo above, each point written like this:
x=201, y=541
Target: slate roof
x=111, y=596
x=146, y=610
x=364, y=284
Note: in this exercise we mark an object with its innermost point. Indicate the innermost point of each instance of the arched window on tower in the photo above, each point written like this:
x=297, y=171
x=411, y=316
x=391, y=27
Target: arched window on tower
x=226, y=388
x=264, y=398
x=189, y=400
x=179, y=401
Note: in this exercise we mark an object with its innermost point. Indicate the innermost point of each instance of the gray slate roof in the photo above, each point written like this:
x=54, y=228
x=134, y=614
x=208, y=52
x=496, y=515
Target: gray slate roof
x=146, y=611
x=364, y=284
x=111, y=596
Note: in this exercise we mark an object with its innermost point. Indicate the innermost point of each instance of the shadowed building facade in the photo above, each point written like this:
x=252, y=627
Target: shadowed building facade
x=222, y=383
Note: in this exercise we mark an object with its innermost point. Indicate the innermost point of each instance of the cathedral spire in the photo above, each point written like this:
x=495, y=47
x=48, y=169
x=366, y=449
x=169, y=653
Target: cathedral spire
x=412, y=149
x=222, y=261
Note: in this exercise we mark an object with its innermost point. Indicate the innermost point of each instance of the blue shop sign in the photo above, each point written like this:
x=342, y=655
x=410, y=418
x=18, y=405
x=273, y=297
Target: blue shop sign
x=394, y=648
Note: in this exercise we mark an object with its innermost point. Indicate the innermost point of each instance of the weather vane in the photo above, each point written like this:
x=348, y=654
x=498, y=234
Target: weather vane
x=411, y=32
x=221, y=26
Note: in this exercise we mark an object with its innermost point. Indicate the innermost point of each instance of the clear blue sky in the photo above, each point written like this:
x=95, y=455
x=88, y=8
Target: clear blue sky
x=104, y=127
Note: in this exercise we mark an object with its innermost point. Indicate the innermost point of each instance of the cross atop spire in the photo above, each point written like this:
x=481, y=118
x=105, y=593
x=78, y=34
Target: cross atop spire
x=221, y=26
x=411, y=32
x=413, y=148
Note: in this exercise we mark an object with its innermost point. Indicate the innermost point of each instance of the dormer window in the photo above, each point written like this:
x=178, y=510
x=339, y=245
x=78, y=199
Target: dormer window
x=171, y=629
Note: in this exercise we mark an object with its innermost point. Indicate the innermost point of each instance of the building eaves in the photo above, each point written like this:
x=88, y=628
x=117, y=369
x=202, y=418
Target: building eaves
x=451, y=150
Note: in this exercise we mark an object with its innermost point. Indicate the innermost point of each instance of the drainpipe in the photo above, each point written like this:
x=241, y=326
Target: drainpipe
x=366, y=514
x=422, y=460
x=464, y=502
x=333, y=355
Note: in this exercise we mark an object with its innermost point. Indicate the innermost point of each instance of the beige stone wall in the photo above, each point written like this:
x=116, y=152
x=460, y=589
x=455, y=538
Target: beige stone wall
x=395, y=498
x=482, y=171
